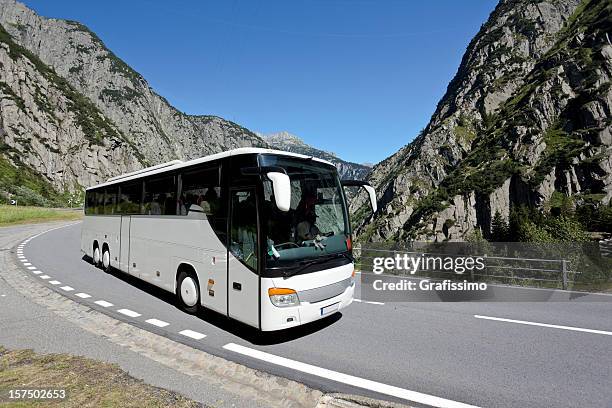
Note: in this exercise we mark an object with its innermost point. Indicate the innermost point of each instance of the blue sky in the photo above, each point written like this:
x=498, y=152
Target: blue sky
x=359, y=78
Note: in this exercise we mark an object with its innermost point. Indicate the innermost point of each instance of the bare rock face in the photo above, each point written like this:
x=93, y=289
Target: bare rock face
x=146, y=129
x=292, y=143
x=527, y=114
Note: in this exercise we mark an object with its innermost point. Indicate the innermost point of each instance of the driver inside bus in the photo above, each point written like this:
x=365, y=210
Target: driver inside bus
x=306, y=228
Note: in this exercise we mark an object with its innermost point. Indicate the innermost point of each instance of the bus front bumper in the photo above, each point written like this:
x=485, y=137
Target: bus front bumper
x=307, y=312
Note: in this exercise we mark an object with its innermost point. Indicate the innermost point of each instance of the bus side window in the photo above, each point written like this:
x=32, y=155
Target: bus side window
x=110, y=200
x=201, y=188
x=90, y=203
x=160, y=196
x=243, y=243
x=130, y=197
x=99, y=202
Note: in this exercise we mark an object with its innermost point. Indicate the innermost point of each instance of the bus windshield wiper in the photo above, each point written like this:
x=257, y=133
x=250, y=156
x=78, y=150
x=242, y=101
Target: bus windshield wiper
x=304, y=265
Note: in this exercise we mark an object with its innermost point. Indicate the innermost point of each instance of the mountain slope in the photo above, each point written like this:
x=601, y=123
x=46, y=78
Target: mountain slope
x=119, y=96
x=527, y=114
x=291, y=143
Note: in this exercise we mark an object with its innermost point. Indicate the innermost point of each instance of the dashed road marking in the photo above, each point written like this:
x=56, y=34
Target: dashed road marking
x=552, y=326
x=129, y=312
x=82, y=295
x=346, y=378
x=192, y=334
x=103, y=303
x=36, y=272
x=67, y=288
x=31, y=268
x=27, y=264
x=158, y=323
x=55, y=282
x=44, y=277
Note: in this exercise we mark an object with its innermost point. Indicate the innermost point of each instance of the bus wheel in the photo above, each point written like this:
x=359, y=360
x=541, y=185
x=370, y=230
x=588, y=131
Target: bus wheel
x=106, y=260
x=96, y=255
x=188, y=292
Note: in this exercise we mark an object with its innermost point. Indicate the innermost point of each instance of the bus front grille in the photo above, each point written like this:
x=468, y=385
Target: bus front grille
x=324, y=292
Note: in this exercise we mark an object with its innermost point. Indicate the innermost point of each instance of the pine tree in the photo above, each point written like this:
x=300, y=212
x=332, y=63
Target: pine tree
x=500, y=229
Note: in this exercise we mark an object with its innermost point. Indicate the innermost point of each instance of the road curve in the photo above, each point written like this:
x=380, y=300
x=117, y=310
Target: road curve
x=440, y=354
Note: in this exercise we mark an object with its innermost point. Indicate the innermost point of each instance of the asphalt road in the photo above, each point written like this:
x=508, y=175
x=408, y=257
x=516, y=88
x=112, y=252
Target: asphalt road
x=544, y=355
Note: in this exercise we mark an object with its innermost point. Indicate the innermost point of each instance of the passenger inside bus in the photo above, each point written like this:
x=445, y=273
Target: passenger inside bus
x=307, y=217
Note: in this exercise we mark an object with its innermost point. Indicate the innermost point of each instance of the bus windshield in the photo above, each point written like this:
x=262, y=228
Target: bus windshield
x=316, y=223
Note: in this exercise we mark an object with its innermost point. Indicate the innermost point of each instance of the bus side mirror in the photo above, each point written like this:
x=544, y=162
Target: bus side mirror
x=370, y=190
x=282, y=189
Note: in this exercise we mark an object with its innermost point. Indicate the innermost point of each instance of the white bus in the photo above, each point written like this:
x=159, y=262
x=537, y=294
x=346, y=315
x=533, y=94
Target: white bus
x=258, y=235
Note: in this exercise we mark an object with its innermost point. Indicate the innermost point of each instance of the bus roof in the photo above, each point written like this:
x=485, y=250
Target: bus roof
x=177, y=164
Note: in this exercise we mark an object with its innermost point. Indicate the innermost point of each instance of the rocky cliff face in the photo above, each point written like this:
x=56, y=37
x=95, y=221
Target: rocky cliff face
x=527, y=114
x=76, y=114
x=291, y=143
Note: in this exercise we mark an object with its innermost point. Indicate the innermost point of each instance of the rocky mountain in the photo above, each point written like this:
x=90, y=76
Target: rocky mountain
x=526, y=117
x=72, y=113
x=291, y=143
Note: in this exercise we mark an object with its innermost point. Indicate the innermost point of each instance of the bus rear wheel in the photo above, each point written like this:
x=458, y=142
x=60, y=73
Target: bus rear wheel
x=106, y=260
x=96, y=255
x=188, y=292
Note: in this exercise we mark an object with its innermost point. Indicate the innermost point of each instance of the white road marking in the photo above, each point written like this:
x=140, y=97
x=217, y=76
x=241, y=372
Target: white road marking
x=27, y=264
x=44, y=276
x=158, y=323
x=347, y=379
x=54, y=282
x=21, y=257
x=129, y=312
x=23, y=260
x=67, y=288
x=368, y=301
x=103, y=303
x=82, y=295
x=31, y=268
x=36, y=272
x=192, y=334
x=553, y=326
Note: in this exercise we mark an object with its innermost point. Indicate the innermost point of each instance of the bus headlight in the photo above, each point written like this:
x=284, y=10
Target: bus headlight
x=282, y=297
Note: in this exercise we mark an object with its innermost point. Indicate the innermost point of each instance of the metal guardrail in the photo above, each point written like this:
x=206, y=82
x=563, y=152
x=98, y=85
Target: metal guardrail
x=551, y=271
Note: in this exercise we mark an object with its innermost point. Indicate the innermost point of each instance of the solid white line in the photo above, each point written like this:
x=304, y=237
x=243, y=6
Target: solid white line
x=82, y=295
x=347, y=379
x=192, y=334
x=44, y=276
x=368, y=301
x=129, y=312
x=103, y=303
x=67, y=288
x=54, y=282
x=36, y=272
x=552, y=326
x=158, y=323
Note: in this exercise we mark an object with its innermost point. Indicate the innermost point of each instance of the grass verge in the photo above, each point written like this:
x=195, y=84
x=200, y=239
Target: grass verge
x=88, y=383
x=11, y=214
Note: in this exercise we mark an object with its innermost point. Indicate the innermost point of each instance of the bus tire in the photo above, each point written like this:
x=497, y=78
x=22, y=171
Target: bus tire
x=96, y=254
x=188, y=291
x=106, y=266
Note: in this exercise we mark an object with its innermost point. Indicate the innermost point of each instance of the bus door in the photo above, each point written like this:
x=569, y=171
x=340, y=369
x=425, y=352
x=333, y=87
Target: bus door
x=124, y=242
x=243, y=263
